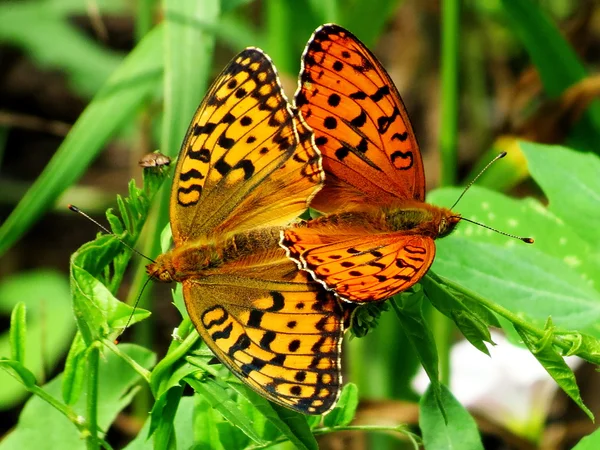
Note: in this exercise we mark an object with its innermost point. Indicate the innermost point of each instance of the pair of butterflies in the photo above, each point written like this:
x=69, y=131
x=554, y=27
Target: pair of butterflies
x=250, y=164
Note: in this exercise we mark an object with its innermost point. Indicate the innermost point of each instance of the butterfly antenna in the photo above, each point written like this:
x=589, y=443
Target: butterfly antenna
x=137, y=301
x=501, y=155
x=527, y=240
x=107, y=231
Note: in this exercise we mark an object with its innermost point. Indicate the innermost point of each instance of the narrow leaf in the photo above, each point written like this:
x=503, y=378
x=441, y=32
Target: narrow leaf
x=555, y=365
x=18, y=332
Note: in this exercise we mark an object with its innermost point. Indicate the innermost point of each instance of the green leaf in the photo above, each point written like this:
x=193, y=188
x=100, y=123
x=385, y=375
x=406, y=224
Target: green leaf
x=206, y=433
x=18, y=333
x=291, y=424
x=458, y=432
x=345, y=409
x=50, y=326
x=473, y=329
x=162, y=426
x=533, y=280
x=220, y=400
x=55, y=430
x=188, y=51
x=19, y=372
x=408, y=309
x=86, y=64
x=591, y=442
x=114, y=106
x=74, y=373
x=570, y=181
x=557, y=63
x=554, y=364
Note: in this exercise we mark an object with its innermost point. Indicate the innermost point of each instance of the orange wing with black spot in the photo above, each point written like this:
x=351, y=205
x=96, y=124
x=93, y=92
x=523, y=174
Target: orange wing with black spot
x=359, y=266
x=370, y=152
x=242, y=163
x=276, y=329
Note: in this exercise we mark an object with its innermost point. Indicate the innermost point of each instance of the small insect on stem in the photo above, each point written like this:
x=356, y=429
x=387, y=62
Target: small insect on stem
x=107, y=231
x=527, y=240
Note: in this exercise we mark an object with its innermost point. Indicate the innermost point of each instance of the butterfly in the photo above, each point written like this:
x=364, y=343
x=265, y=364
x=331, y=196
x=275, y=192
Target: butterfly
x=377, y=238
x=247, y=167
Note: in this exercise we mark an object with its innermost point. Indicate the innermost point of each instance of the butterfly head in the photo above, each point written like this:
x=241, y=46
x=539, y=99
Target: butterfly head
x=161, y=270
x=447, y=222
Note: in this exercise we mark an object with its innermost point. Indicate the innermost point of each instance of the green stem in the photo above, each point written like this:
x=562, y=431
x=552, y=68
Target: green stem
x=128, y=359
x=442, y=328
x=93, y=358
x=441, y=325
x=177, y=351
x=449, y=107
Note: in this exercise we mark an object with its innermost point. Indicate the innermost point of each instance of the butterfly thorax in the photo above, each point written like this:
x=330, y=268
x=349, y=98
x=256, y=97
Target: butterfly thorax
x=421, y=218
x=197, y=258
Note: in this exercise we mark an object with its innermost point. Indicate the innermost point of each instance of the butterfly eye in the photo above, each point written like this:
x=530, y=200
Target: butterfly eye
x=165, y=277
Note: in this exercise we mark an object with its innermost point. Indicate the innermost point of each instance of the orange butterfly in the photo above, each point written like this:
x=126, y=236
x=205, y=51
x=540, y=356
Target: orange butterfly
x=378, y=237
x=247, y=167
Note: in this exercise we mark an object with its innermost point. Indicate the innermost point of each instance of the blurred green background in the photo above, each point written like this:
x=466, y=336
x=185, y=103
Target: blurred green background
x=88, y=87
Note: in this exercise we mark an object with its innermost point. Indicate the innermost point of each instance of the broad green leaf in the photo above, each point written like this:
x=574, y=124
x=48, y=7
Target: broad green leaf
x=408, y=309
x=344, y=410
x=55, y=430
x=535, y=280
x=555, y=365
x=570, y=181
x=115, y=105
x=50, y=325
x=458, y=432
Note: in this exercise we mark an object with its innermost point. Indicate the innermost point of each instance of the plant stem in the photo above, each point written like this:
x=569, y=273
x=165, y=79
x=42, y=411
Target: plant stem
x=93, y=358
x=442, y=326
x=128, y=359
x=177, y=351
x=449, y=107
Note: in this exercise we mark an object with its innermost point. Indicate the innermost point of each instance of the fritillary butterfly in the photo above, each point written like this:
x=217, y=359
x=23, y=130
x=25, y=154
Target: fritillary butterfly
x=248, y=167
x=378, y=237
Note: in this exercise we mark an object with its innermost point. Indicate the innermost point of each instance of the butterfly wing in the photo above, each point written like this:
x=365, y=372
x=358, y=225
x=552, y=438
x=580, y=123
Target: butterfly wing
x=361, y=126
x=274, y=328
x=358, y=265
x=242, y=136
